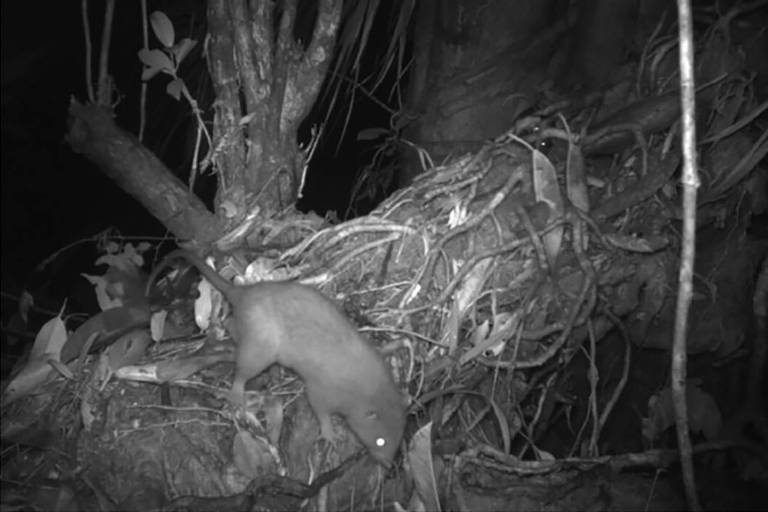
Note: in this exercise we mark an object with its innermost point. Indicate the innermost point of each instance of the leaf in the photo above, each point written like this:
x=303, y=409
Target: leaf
x=204, y=304
x=504, y=326
x=548, y=191
x=148, y=73
x=371, y=134
x=108, y=323
x=50, y=338
x=545, y=456
x=60, y=367
x=421, y=462
x=253, y=456
x=163, y=28
x=182, y=49
x=576, y=178
x=128, y=349
x=157, y=324
x=100, y=288
x=472, y=284
x=174, y=88
x=38, y=369
x=503, y=424
x=263, y=269
x=156, y=59
x=480, y=332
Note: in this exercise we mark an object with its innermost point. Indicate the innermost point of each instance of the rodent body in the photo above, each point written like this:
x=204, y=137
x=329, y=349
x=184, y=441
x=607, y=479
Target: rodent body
x=298, y=327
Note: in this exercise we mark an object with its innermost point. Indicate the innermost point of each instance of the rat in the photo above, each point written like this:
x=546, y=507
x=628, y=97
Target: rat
x=298, y=327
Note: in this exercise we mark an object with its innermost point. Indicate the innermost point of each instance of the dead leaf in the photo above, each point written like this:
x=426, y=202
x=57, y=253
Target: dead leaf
x=421, y=462
x=50, y=338
x=253, y=456
x=547, y=190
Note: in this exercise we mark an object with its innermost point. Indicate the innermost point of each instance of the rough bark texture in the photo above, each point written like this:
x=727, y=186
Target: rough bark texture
x=265, y=85
x=135, y=169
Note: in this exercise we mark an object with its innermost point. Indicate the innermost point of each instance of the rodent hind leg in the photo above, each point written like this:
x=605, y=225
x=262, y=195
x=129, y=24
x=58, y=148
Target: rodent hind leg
x=236, y=394
x=253, y=355
x=243, y=373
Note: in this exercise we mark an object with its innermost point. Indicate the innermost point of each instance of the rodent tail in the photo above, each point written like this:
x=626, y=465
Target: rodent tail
x=210, y=274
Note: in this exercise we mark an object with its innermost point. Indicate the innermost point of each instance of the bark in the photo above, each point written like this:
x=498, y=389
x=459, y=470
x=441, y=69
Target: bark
x=477, y=65
x=94, y=134
x=265, y=83
x=278, y=81
x=603, y=33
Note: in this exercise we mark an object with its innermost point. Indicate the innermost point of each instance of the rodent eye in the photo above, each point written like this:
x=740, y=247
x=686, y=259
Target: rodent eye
x=380, y=442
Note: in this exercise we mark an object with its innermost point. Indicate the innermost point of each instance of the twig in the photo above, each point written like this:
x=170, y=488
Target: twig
x=88, y=63
x=624, y=373
x=143, y=93
x=593, y=375
x=690, y=184
x=104, y=86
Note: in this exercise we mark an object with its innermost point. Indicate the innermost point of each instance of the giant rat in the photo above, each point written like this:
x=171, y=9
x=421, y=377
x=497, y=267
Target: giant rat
x=298, y=327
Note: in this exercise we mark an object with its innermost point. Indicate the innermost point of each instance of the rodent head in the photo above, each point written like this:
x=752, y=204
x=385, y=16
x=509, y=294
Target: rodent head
x=379, y=430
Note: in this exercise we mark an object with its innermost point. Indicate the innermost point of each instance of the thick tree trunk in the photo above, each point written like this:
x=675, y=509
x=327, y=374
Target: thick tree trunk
x=477, y=65
x=265, y=83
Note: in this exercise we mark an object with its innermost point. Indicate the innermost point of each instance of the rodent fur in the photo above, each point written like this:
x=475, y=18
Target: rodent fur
x=300, y=328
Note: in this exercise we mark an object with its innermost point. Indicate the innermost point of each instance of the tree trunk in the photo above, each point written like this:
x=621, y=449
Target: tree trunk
x=477, y=66
x=265, y=83
x=278, y=81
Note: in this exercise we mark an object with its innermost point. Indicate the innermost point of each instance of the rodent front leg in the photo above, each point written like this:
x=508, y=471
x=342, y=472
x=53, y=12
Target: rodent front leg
x=237, y=391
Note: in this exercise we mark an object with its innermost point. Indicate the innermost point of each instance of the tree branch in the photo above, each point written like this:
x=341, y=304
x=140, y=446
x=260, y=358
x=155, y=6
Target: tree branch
x=135, y=169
